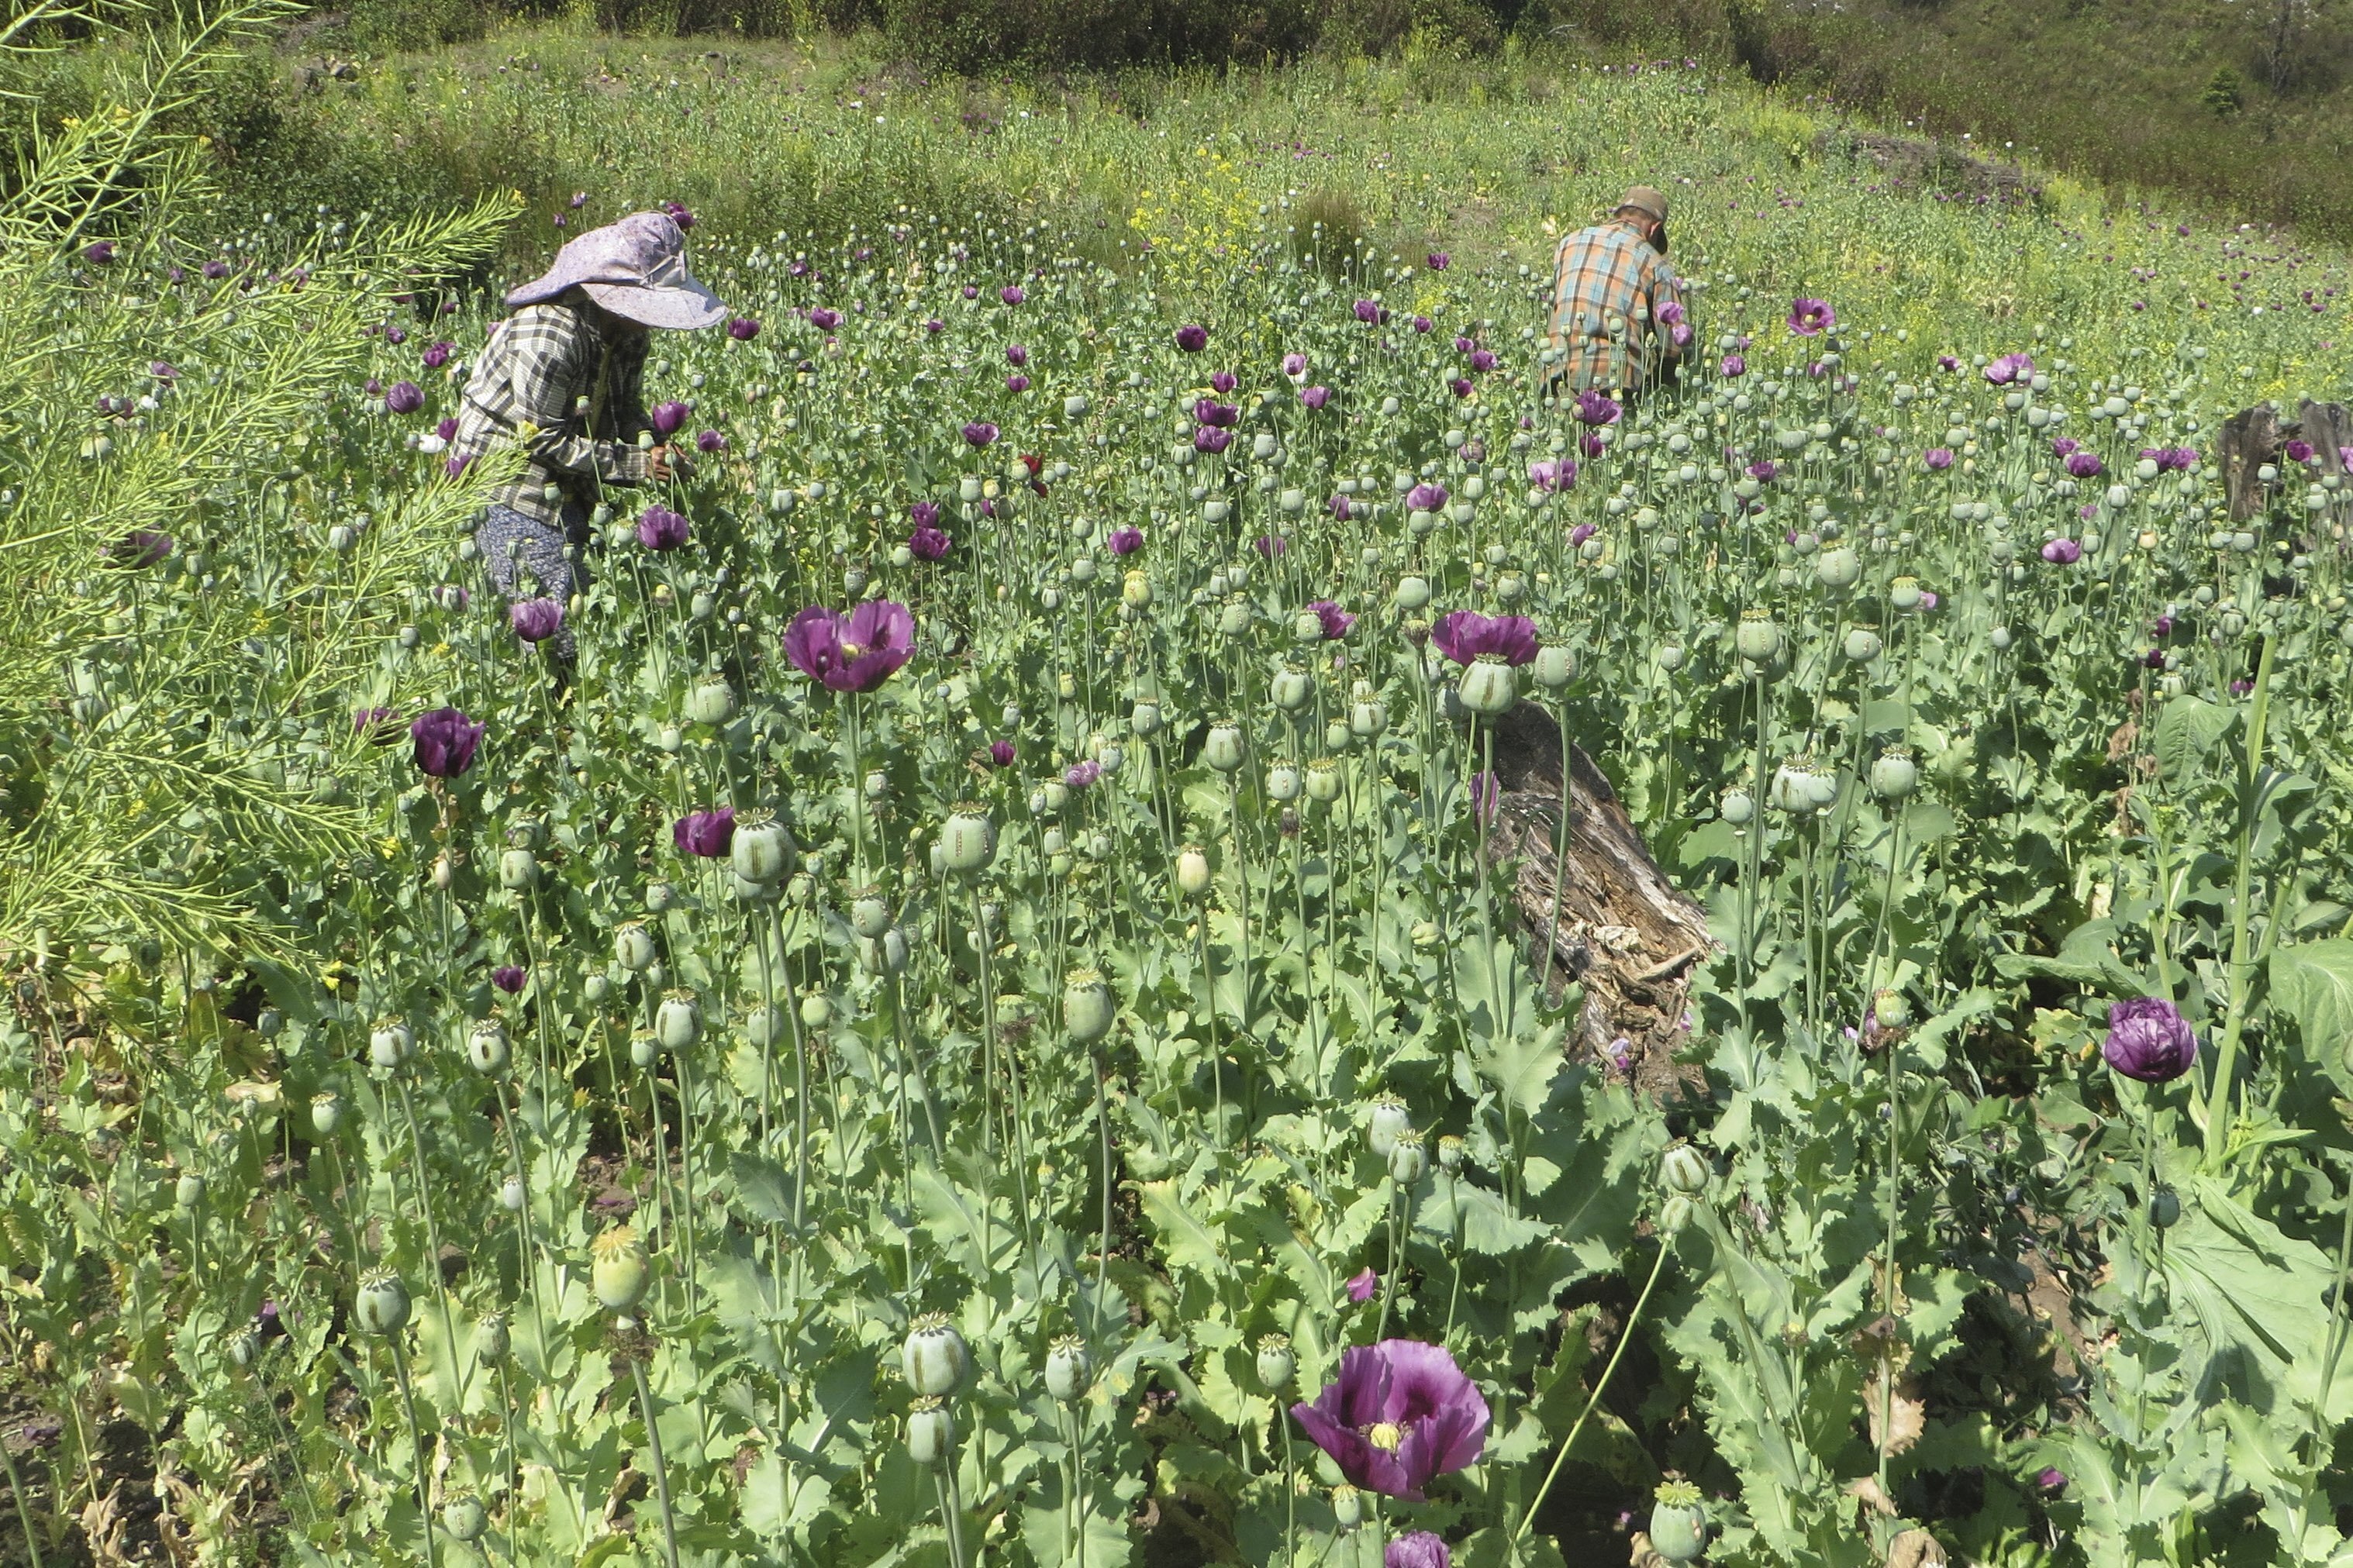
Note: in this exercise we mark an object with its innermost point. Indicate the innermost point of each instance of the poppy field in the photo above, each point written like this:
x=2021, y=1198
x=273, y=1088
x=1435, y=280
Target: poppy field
x=959, y=1002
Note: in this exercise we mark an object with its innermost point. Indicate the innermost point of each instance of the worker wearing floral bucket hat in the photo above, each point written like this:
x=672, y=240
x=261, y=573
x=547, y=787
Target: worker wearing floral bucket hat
x=563, y=378
x=1617, y=322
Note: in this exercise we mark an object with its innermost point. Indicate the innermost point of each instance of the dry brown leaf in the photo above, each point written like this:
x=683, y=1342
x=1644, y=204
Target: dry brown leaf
x=1906, y=1416
x=1865, y=1491
x=1916, y=1548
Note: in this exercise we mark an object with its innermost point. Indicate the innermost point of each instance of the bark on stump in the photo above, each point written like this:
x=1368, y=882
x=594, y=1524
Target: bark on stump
x=2253, y=436
x=1625, y=933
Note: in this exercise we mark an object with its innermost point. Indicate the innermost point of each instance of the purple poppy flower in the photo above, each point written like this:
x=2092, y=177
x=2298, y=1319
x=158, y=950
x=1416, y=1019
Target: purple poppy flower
x=1670, y=313
x=2153, y=659
x=1361, y=1285
x=1016, y=382
x=928, y=543
x=704, y=834
x=1947, y=361
x=823, y=320
x=1425, y=497
x=1370, y=313
x=856, y=652
x=1192, y=339
x=934, y=325
x=1315, y=396
x=1125, y=540
x=437, y=353
x=1223, y=381
x=980, y=433
x=1271, y=545
x=508, y=977
x=924, y=515
x=214, y=270
x=99, y=254
x=2062, y=444
x=1620, y=1053
x=1595, y=407
x=1210, y=438
x=446, y=429
x=1811, y=318
x=1079, y=776
x=375, y=723
x=972, y=291
x=1764, y=471
x=142, y=548
x=1938, y=458
x=710, y=441
x=2050, y=1478
x=1001, y=753
x=1482, y=359
x=2162, y=626
x=1417, y=1549
x=1927, y=600
x=2241, y=687
x=1460, y=386
x=579, y=200
x=2179, y=460
x=1552, y=473
x=743, y=329
x=1016, y=355
x=1399, y=1413
x=1591, y=444
x=2009, y=368
x=1337, y=622
x=2149, y=1039
x=536, y=620
x=2299, y=451
x=679, y=214
x=2084, y=465
x=1464, y=346
x=395, y=335
x=1733, y=366
x=2063, y=552
x=1580, y=534
x=667, y=416
x=1422, y=323
x=445, y=740
x=1210, y=412
x=406, y=397
x=1463, y=635
x=1679, y=334
x=1011, y=294
x=1294, y=365
x=1341, y=506
x=1439, y=260
x=660, y=529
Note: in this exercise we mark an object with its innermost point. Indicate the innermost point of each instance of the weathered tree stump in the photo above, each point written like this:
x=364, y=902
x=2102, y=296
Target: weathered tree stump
x=1626, y=933
x=2253, y=436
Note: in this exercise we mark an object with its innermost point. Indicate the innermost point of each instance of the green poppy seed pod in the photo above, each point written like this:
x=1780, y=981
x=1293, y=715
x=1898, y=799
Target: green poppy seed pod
x=2001, y=638
x=1891, y=1008
x=596, y=987
x=1791, y=787
x=189, y=1192
x=513, y=1194
x=1737, y=807
x=934, y=1356
x=2164, y=1208
x=1676, y=1214
x=1555, y=668
x=1283, y=782
x=1347, y=1507
x=645, y=1048
x=1758, y=636
x=1894, y=775
x=1336, y=737
x=1053, y=841
x=1069, y=1368
x=326, y=1113
x=491, y=1336
x=620, y=1272
x=659, y=895
x=389, y=1043
x=633, y=946
x=1389, y=1118
x=884, y=954
x=1670, y=657
x=1678, y=1523
x=1235, y=617
x=1192, y=871
x=711, y=701
x=1905, y=593
x=816, y=1010
x=242, y=1347
x=1821, y=789
x=381, y=1305
x=1683, y=1169
x=1087, y=1007
x=464, y=1517
x=1839, y=568
x=931, y=1432
x=486, y=1048
x=1488, y=687
x=518, y=870
x=1145, y=721
x=1450, y=1154
x=870, y=912
x=1323, y=780
x=1224, y=750
x=1293, y=501
x=1368, y=719
x=1052, y=797
x=1412, y=593
x=764, y=1026
x=1408, y=1159
x=678, y=1023
x=1278, y=1364
x=445, y=871
x=761, y=850
x=1862, y=644
x=1307, y=626
x=967, y=839
x=1293, y=689
x=878, y=785
x=270, y=1022
x=1136, y=590
x=1082, y=570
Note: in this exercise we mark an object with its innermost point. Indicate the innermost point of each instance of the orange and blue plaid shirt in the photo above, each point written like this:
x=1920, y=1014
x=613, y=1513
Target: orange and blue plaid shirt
x=1607, y=285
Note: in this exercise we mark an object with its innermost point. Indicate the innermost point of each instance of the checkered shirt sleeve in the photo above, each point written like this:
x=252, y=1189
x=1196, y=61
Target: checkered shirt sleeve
x=539, y=372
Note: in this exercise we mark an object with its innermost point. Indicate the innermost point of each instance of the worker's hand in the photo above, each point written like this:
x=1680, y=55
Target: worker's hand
x=664, y=462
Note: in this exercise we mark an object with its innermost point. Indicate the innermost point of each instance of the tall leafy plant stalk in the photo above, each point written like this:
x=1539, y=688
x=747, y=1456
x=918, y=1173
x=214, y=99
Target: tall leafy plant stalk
x=2254, y=791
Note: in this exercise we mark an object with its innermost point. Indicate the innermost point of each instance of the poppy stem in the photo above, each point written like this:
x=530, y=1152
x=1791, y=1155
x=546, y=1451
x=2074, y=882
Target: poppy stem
x=1625, y=1338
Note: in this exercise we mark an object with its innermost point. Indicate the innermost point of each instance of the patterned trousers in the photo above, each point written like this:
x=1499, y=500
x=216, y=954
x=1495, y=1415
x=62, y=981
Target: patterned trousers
x=547, y=565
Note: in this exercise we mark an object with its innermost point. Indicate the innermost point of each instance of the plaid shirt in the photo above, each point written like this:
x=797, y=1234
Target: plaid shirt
x=549, y=368
x=1602, y=276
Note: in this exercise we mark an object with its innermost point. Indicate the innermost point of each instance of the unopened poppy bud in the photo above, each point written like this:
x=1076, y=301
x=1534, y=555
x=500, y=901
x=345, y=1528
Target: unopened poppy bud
x=1192, y=871
x=2164, y=1208
x=487, y=1048
x=1069, y=1368
x=445, y=871
x=1683, y=1169
x=513, y=1194
x=1088, y=1008
x=934, y=1356
x=1389, y=1118
x=243, y=1348
x=678, y=1023
x=1278, y=1364
x=967, y=839
x=619, y=1271
x=381, y=1304
x=1676, y=1214
x=816, y=1011
x=931, y=1432
x=633, y=946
